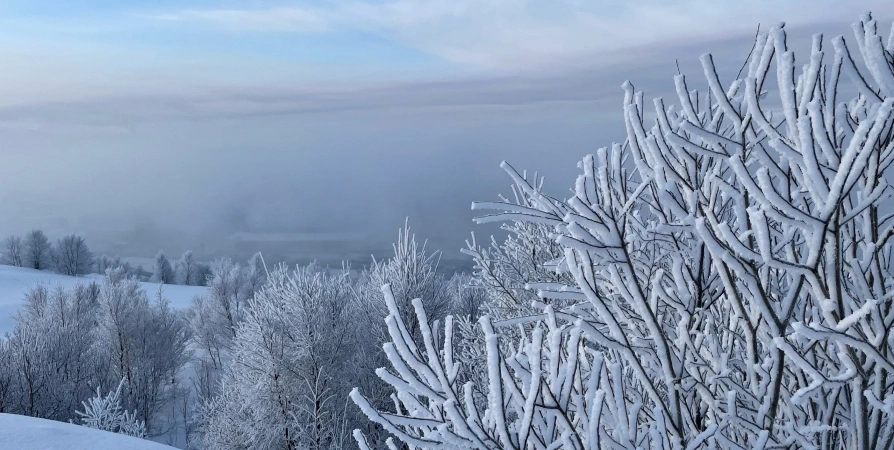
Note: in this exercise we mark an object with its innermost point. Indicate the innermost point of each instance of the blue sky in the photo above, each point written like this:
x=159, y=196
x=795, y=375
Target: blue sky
x=322, y=42
x=360, y=40
x=348, y=114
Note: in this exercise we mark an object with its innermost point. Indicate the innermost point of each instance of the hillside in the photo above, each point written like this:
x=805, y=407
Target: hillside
x=29, y=433
x=16, y=281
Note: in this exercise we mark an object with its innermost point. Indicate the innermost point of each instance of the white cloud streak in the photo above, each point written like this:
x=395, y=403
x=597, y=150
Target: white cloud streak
x=512, y=34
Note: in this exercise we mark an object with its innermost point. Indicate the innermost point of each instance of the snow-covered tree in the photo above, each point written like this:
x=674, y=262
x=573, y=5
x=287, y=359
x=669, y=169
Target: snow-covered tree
x=413, y=273
x=37, y=250
x=105, y=413
x=185, y=270
x=214, y=319
x=146, y=343
x=285, y=388
x=226, y=295
x=255, y=275
x=52, y=351
x=504, y=271
x=104, y=263
x=71, y=256
x=467, y=297
x=163, y=272
x=13, y=253
x=8, y=388
x=731, y=272
x=69, y=341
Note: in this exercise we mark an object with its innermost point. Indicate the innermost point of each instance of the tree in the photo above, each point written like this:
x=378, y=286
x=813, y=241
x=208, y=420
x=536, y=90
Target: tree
x=186, y=270
x=255, y=275
x=105, y=413
x=731, y=279
x=71, y=256
x=13, y=251
x=203, y=273
x=285, y=388
x=37, y=250
x=163, y=272
x=214, y=319
x=413, y=273
x=146, y=344
x=104, y=264
x=69, y=342
x=53, y=351
x=467, y=297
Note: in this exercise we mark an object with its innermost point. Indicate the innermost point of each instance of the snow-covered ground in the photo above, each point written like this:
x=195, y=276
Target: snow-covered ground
x=29, y=433
x=16, y=281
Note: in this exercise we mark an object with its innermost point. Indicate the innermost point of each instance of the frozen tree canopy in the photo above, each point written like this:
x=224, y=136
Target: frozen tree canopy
x=726, y=278
x=13, y=252
x=71, y=256
x=37, y=250
x=163, y=272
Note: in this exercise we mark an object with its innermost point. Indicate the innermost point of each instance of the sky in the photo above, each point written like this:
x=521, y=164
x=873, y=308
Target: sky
x=176, y=123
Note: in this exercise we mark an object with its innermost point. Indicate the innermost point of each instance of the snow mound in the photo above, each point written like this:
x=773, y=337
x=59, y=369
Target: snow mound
x=29, y=433
x=15, y=282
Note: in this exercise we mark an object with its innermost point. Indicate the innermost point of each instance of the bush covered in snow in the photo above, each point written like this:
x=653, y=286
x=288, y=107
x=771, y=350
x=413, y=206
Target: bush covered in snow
x=723, y=278
x=105, y=413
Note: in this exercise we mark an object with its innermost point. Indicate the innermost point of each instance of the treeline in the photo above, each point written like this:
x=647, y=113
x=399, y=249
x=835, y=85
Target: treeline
x=69, y=255
x=186, y=270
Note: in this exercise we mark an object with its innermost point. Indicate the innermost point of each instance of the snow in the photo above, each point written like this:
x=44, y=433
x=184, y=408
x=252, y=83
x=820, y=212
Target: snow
x=15, y=282
x=29, y=433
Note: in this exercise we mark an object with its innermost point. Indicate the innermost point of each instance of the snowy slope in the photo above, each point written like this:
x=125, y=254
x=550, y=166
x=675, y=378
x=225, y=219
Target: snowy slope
x=28, y=433
x=16, y=281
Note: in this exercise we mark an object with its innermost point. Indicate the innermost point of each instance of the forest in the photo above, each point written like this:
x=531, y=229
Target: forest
x=721, y=279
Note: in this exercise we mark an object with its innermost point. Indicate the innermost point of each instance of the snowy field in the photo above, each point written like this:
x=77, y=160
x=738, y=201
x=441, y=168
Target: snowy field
x=16, y=281
x=29, y=433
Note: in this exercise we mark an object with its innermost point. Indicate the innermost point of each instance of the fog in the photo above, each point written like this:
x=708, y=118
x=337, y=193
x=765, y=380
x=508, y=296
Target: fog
x=340, y=170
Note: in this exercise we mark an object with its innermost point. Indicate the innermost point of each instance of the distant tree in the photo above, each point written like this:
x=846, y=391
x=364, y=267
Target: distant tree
x=71, y=256
x=225, y=289
x=203, y=273
x=255, y=276
x=104, y=263
x=163, y=272
x=13, y=251
x=186, y=270
x=138, y=272
x=37, y=250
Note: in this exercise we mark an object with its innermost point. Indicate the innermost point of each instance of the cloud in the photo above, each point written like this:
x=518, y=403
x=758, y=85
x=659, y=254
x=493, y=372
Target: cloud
x=274, y=19
x=512, y=34
x=592, y=81
x=93, y=103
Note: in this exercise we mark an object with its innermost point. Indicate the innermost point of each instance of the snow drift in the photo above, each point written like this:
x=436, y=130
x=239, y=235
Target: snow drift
x=29, y=433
